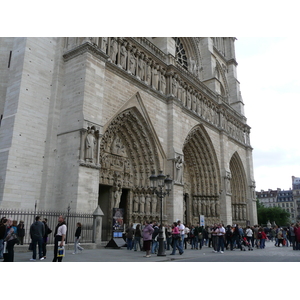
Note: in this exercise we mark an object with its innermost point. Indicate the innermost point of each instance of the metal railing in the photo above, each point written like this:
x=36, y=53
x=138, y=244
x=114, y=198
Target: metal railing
x=71, y=220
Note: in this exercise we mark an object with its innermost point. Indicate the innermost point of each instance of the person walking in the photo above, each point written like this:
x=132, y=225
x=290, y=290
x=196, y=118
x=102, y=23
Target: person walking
x=220, y=234
x=147, y=238
x=11, y=239
x=292, y=237
x=21, y=232
x=137, y=237
x=77, y=239
x=176, y=239
x=37, y=231
x=45, y=237
x=60, y=236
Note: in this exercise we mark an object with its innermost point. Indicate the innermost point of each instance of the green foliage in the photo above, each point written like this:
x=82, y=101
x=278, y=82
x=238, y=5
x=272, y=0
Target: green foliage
x=277, y=214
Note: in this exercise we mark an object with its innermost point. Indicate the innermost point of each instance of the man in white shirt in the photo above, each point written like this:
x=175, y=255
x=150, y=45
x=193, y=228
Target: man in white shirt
x=181, y=230
x=60, y=236
x=220, y=234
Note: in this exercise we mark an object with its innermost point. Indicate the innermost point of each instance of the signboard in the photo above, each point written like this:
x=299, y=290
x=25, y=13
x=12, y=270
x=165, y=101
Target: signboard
x=202, y=220
x=118, y=222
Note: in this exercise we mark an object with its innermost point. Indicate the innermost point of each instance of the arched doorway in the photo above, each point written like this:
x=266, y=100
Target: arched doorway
x=203, y=177
x=128, y=154
x=238, y=191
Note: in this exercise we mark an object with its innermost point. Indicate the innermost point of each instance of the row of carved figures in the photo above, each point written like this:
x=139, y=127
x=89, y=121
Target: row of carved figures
x=137, y=63
x=208, y=208
x=239, y=212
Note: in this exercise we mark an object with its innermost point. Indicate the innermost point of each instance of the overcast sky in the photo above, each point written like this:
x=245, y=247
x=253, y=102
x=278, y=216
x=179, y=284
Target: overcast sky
x=268, y=73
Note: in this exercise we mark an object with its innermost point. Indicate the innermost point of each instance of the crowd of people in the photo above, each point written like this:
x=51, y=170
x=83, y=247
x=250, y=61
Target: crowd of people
x=12, y=233
x=180, y=236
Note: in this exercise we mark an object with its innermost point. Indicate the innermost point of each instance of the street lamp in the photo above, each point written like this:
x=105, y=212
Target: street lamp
x=161, y=185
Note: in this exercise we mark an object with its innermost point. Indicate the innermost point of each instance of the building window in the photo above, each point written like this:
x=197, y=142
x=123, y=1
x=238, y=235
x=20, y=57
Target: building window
x=181, y=57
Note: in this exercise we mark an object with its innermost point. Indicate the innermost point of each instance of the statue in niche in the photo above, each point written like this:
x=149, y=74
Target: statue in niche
x=163, y=84
x=179, y=169
x=154, y=204
x=104, y=44
x=188, y=102
x=244, y=212
x=199, y=207
x=227, y=180
x=136, y=203
x=212, y=209
x=117, y=197
x=148, y=204
x=132, y=64
x=123, y=56
x=155, y=78
x=148, y=76
x=192, y=65
x=174, y=86
x=142, y=203
x=90, y=143
x=140, y=66
x=113, y=50
x=195, y=206
x=194, y=103
x=217, y=208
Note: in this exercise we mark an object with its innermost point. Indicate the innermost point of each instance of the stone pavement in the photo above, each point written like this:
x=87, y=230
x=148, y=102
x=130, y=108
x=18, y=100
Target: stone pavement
x=90, y=254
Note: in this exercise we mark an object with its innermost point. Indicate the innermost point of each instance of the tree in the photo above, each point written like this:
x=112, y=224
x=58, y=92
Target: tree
x=272, y=214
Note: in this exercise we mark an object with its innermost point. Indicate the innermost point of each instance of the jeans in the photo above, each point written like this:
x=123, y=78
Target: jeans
x=1, y=248
x=262, y=243
x=154, y=247
x=220, y=243
x=177, y=244
x=76, y=246
x=182, y=240
x=169, y=243
x=292, y=241
x=129, y=243
x=39, y=242
x=137, y=240
x=193, y=242
x=229, y=241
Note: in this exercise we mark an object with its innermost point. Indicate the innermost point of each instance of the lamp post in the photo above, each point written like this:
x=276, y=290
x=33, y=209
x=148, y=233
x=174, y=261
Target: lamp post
x=161, y=185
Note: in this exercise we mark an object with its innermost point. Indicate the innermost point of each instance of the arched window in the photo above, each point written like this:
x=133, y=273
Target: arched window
x=180, y=55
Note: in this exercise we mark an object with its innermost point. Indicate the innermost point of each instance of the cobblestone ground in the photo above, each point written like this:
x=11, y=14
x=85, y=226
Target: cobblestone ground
x=269, y=254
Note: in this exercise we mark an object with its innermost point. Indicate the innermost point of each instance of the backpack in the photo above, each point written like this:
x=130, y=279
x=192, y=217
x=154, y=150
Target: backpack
x=228, y=233
x=259, y=235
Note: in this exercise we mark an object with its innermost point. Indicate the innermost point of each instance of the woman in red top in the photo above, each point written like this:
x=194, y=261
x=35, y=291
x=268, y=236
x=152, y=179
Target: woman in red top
x=176, y=239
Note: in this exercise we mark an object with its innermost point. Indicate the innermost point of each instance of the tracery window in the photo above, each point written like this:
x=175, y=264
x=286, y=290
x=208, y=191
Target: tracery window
x=180, y=55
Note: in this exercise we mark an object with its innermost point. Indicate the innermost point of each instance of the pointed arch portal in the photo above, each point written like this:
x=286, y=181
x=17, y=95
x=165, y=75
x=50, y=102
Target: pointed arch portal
x=203, y=175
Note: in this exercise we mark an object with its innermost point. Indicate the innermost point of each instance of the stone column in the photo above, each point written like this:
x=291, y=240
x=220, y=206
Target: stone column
x=97, y=226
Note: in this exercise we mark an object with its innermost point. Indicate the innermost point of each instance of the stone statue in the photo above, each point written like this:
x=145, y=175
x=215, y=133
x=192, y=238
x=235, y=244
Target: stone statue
x=123, y=55
x=142, y=203
x=195, y=205
x=148, y=203
x=179, y=169
x=90, y=143
x=117, y=197
x=136, y=203
x=132, y=64
x=154, y=204
x=163, y=84
x=113, y=50
x=104, y=44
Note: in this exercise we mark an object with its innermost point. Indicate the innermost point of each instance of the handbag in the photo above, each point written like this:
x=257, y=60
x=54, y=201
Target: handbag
x=177, y=236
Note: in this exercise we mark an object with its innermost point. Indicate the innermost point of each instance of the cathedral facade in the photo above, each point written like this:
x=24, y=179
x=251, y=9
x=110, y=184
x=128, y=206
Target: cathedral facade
x=85, y=122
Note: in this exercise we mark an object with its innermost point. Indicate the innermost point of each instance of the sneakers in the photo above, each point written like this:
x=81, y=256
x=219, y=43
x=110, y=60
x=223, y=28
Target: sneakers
x=32, y=259
x=42, y=258
x=221, y=252
x=215, y=251
x=148, y=255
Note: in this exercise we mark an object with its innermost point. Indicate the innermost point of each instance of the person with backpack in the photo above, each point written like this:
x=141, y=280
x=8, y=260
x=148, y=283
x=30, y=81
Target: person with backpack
x=249, y=234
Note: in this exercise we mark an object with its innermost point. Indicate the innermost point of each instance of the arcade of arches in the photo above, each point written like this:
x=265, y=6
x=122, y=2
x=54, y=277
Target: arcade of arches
x=128, y=154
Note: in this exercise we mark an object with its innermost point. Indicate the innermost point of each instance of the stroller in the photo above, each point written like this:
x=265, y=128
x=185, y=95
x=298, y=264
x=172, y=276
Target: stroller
x=245, y=244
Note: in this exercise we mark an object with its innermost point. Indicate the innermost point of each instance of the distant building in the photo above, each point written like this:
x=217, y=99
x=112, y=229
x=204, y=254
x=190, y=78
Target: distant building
x=267, y=198
x=296, y=194
x=280, y=198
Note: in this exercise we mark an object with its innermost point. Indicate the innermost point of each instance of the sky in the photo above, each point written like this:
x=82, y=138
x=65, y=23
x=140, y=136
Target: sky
x=269, y=82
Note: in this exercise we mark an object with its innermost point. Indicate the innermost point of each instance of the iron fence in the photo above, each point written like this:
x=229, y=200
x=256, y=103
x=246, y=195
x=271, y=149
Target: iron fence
x=71, y=220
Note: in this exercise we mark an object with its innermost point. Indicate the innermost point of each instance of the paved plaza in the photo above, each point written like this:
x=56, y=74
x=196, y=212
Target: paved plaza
x=269, y=254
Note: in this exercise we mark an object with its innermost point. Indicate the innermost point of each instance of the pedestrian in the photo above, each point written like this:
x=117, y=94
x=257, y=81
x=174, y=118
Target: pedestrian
x=169, y=236
x=45, y=237
x=21, y=232
x=10, y=239
x=262, y=238
x=214, y=238
x=186, y=235
x=147, y=238
x=37, y=231
x=228, y=236
x=137, y=237
x=154, y=246
x=279, y=237
x=192, y=237
x=3, y=230
x=77, y=239
x=129, y=237
x=285, y=239
x=176, y=239
x=249, y=234
x=292, y=237
x=236, y=236
x=199, y=233
x=181, y=231
x=59, y=237
x=220, y=234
